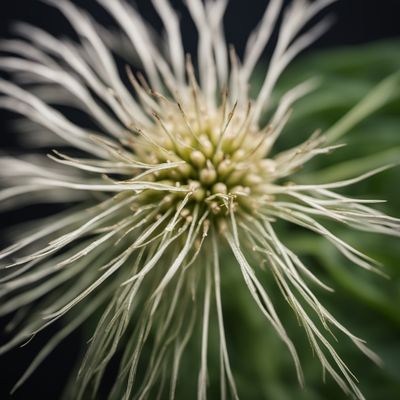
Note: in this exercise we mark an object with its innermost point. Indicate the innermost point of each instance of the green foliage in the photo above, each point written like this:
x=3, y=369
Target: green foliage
x=366, y=303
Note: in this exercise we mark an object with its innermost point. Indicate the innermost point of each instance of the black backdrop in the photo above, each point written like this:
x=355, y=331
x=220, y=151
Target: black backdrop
x=358, y=21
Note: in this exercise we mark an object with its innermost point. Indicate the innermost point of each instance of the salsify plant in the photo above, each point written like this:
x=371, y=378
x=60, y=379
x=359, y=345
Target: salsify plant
x=177, y=167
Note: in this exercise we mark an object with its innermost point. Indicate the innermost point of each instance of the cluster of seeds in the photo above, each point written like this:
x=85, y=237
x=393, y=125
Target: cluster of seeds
x=221, y=161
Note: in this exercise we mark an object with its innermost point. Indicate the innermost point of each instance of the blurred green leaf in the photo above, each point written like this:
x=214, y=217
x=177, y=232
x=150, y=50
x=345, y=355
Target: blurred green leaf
x=368, y=304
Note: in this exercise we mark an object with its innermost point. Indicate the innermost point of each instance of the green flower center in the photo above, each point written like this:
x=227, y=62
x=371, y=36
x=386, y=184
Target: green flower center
x=222, y=164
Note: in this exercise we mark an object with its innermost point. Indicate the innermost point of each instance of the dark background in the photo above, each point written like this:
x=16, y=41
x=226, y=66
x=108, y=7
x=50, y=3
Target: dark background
x=358, y=21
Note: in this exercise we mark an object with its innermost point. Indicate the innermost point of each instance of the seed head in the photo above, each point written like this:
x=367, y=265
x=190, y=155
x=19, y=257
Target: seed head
x=219, y=159
x=178, y=168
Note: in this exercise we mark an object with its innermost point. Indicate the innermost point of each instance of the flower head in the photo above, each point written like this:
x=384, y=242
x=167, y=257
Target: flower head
x=178, y=166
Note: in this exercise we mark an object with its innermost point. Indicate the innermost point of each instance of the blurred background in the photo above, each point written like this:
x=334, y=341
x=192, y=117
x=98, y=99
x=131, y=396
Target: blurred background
x=362, y=48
